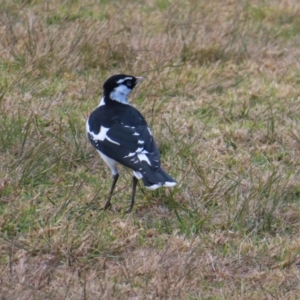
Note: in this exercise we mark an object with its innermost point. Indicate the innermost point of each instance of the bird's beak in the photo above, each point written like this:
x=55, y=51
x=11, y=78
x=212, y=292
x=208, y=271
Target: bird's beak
x=138, y=79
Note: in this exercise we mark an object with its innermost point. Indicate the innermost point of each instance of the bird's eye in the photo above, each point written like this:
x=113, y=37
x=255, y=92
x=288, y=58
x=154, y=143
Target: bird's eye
x=129, y=83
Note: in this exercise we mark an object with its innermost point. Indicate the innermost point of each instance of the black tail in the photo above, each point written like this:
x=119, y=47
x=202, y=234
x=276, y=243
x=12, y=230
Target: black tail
x=155, y=179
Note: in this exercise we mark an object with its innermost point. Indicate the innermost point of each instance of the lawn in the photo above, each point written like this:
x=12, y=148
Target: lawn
x=222, y=99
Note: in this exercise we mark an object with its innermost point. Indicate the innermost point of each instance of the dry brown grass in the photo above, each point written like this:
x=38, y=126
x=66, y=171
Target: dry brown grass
x=222, y=98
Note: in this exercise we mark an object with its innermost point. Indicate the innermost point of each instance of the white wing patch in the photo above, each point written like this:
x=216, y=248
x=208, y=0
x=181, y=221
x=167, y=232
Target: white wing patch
x=124, y=79
x=101, y=136
x=135, y=133
x=130, y=154
x=109, y=139
x=143, y=157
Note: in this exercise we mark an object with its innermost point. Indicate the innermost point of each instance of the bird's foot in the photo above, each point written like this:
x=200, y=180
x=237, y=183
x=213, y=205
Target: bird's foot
x=107, y=205
x=112, y=208
x=129, y=210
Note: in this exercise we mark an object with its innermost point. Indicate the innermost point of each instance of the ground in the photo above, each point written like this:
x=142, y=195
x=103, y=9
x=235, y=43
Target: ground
x=222, y=98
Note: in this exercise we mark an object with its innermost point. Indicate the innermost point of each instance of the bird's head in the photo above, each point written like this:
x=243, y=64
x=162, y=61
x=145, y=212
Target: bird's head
x=118, y=87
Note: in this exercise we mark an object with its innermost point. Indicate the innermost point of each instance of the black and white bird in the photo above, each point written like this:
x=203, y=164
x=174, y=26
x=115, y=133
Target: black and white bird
x=120, y=134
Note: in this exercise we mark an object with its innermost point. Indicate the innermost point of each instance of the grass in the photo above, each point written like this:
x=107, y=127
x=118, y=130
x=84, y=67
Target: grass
x=222, y=99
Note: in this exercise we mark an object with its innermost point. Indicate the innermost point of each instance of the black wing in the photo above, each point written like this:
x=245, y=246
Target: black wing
x=131, y=146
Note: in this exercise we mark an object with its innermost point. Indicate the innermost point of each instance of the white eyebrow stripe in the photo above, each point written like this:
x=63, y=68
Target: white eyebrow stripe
x=124, y=79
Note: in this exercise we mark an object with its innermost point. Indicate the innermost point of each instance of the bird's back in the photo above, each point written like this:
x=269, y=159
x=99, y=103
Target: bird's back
x=115, y=113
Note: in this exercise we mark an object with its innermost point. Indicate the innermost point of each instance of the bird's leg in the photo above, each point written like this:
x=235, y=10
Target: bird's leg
x=115, y=179
x=134, y=183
